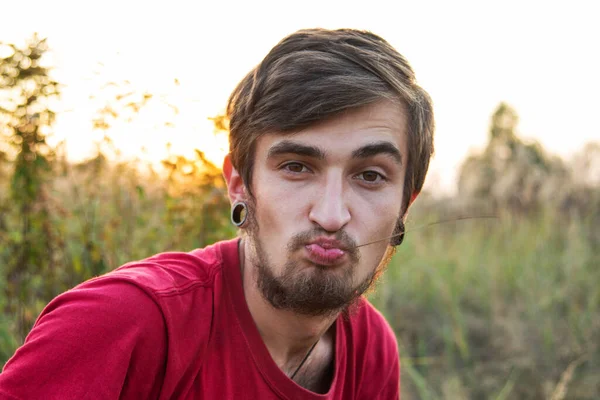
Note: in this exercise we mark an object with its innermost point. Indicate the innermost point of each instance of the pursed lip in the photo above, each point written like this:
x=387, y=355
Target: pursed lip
x=325, y=251
x=328, y=243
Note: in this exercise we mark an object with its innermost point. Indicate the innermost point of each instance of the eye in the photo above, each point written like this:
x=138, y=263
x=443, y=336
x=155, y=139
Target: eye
x=295, y=167
x=371, y=177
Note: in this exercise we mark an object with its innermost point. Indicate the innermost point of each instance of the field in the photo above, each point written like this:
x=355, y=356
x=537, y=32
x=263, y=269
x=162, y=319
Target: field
x=502, y=309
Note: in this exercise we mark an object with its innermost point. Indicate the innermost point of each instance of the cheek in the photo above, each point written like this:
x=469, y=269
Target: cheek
x=378, y=215
x=278, y=212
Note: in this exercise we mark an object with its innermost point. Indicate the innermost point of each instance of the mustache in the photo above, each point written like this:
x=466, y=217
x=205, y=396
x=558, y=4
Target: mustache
x=349, y=245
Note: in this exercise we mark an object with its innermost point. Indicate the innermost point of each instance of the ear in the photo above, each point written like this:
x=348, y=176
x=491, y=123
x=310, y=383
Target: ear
x=413, y=197
x=235, y=185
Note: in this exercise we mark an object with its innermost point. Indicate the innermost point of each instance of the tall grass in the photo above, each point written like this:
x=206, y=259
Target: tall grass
x=497, y=308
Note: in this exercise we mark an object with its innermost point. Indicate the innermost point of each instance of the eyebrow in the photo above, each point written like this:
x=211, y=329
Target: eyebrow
x=376, y=148
x=369, y=150
x=289, y=147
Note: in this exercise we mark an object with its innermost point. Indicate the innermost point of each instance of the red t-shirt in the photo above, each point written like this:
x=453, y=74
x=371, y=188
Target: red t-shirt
x=177, y=326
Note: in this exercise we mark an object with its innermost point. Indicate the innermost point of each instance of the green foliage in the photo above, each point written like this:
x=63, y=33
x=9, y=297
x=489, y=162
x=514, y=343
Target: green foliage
x=196, y=187
x=26, y=93
x=493, y=305
x=511, y=173
x=506, y=307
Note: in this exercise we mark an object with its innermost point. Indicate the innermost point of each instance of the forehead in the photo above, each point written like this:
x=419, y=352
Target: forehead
x=341, y=135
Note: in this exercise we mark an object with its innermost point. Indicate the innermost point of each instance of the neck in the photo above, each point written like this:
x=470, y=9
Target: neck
x=287, y=335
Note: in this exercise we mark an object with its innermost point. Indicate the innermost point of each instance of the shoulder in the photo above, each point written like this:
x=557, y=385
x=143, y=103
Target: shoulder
x=375, y=331
x=375, y=349
x=173, y=272
x=134, y=293
x=151, y=280
x=111, y=323
x=115, y=319
x=182, y=287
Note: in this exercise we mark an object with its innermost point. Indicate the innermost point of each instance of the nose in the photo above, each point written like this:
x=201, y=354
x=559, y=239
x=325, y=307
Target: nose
x=330, y=210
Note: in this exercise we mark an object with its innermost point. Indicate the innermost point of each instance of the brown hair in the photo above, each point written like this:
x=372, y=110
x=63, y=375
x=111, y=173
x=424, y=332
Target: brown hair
x=315, y=74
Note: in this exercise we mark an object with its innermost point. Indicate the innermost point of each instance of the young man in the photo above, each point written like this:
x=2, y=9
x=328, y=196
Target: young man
x=330, y=143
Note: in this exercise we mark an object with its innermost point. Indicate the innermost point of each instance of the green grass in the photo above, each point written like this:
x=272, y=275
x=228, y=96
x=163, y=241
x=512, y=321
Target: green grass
x=496, y=309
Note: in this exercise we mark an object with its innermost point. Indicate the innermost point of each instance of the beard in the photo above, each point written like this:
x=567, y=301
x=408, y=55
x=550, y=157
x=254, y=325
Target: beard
x=315, y=291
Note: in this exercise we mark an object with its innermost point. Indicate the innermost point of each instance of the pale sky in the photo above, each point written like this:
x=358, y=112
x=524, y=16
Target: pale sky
x=542, y=57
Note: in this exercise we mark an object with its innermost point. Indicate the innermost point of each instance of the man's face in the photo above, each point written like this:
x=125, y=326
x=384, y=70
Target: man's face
x=318, y=194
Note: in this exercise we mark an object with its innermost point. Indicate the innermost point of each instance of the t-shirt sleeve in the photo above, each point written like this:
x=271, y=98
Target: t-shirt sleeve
x=91, y=343
x=391, y=387
x=379, y=372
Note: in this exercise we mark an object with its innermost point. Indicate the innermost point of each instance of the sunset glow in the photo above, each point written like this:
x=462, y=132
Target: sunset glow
x=470, y=56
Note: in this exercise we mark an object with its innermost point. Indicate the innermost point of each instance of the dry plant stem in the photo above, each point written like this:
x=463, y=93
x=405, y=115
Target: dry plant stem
x=426, y=226
x=560, y=391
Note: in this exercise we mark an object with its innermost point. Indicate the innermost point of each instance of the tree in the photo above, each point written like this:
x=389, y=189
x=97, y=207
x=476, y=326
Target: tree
x=511, y=173
x=26, y=95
